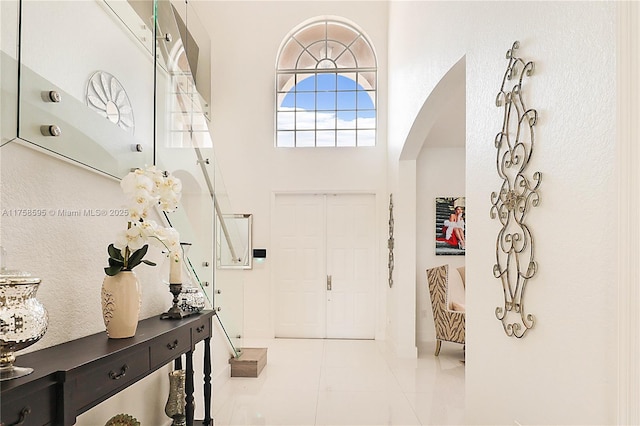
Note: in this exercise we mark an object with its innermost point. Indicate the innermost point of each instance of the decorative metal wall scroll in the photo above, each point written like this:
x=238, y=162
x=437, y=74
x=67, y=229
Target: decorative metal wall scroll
x=390, y=241
x=515, y=263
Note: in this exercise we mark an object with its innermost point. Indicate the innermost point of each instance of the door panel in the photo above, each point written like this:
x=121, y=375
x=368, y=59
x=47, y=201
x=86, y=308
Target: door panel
x=317, y=236
x=300, y=265
x=350, y=257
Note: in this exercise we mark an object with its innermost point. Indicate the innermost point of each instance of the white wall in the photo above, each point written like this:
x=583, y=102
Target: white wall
x=564, y=370
x=253, y=170
x=440, y=173
x=69, y=252
x=246, y=37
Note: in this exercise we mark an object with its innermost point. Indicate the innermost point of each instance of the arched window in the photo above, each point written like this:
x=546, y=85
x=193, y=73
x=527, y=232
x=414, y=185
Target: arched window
x=326, y=87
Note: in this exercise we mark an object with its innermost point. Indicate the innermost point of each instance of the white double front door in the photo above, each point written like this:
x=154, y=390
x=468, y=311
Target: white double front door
x=324, y=265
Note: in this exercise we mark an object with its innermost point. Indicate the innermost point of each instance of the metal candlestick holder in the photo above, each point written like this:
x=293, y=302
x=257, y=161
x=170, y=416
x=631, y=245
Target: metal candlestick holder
x=175, y=312
x=184, y=305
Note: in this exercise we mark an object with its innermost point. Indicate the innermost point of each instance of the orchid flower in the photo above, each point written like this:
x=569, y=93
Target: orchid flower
x=145, y=188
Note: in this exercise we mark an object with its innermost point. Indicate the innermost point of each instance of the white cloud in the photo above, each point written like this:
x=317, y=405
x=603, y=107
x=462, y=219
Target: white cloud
x=325, y=123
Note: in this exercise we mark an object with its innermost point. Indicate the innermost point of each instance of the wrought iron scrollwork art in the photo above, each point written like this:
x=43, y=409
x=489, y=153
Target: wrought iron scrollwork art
x=390, y=241
x=515, y=261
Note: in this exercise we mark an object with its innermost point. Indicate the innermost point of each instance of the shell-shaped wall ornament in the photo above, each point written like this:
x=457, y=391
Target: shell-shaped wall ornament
x=106, y=96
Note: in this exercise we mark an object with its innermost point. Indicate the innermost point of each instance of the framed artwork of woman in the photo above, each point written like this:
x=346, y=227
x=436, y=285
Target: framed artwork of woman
x=450, y=226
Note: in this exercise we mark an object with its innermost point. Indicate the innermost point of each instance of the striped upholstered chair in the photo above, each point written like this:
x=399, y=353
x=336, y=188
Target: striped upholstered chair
x=446, y=288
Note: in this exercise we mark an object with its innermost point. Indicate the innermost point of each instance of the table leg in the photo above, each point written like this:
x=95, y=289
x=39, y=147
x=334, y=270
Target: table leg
x=207, y=382
x=190, y=408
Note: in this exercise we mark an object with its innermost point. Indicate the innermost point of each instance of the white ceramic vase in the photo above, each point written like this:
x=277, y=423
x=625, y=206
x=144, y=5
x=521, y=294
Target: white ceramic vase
x=121, y=301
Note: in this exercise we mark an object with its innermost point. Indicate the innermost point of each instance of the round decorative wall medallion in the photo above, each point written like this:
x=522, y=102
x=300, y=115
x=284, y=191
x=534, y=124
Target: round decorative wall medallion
x=107, y=97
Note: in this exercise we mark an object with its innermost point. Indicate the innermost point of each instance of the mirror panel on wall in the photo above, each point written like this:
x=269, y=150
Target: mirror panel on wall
x=233, y=241
x=82, y=91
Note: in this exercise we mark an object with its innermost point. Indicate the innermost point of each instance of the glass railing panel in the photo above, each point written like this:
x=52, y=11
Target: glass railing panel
x=200, y=239
x=229, y=282
x=85, y=137
x=137, y=16
x=184, y=147
x=182, y=115
x=8, y=71
x=103, y=110
x=196, y=207
x=229, y=289
x=8, y=130
x=198, y=47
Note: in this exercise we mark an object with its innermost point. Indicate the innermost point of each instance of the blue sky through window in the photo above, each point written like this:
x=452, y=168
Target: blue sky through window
x=331, y=105
x=326, y=81
x=334, y=92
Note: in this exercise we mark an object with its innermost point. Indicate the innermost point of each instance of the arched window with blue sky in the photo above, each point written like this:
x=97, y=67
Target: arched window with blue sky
x=326, y=87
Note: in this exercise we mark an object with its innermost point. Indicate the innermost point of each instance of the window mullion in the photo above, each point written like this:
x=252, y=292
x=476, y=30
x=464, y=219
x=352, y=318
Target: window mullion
x=333, y=96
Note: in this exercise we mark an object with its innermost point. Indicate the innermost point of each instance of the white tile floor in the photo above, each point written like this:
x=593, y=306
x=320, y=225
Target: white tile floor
x=345, y=382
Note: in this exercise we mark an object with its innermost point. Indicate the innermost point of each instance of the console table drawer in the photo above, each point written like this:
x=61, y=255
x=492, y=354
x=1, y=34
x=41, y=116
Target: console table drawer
x=73, y=377
x=30, y=408
x=110, y=377
x=170, y=346
x=201, y=330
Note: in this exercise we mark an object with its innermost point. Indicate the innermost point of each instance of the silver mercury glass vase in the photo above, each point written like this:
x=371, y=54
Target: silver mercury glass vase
x=191, y=300
x=23, y=319
x=175, y=407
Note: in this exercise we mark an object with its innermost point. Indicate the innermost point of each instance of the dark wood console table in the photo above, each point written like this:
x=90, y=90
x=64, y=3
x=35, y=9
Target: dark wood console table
x=70, y=378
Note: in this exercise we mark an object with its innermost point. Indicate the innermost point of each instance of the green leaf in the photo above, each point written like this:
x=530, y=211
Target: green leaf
x=114, y=252
x=136, y=256
x=115, y=262
x=112, y=270
x=148, y=262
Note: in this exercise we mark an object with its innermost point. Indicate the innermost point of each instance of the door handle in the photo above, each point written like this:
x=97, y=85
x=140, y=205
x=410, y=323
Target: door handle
x=328, y=282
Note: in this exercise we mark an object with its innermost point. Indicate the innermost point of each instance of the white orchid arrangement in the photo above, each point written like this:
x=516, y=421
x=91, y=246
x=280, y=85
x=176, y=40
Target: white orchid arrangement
x=144, y=189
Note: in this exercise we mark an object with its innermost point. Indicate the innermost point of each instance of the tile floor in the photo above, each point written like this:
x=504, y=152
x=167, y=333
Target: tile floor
x=345, y=382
